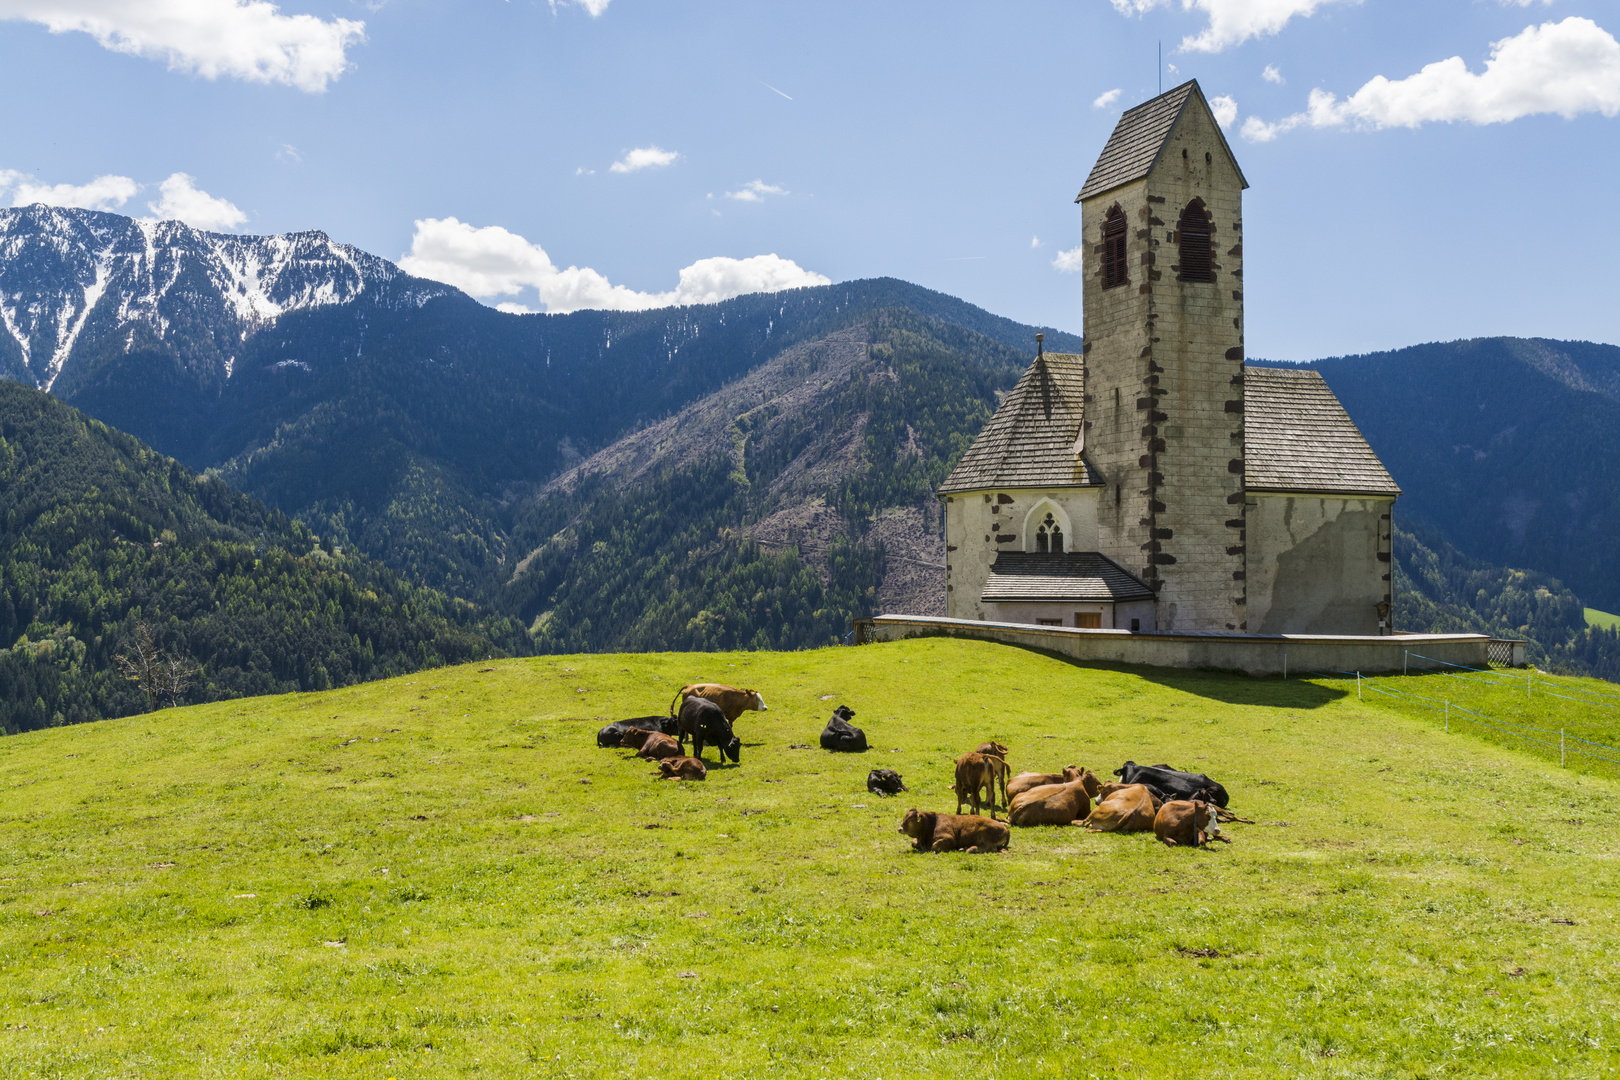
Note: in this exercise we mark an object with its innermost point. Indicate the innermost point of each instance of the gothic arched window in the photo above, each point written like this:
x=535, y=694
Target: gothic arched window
x=1049, y=536
x=1113, y=244
x=1192, y=232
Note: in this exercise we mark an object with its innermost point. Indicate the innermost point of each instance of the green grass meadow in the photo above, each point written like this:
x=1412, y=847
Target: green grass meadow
x=443, y=876
x=1594, y=617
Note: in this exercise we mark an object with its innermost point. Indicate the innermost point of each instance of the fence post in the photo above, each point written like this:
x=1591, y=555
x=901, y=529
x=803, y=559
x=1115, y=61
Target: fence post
x=1527, y=684
x=1403, y=661
x=1448, y=716
x=1285, y=663
x=1560, y=748
x=1358, y=686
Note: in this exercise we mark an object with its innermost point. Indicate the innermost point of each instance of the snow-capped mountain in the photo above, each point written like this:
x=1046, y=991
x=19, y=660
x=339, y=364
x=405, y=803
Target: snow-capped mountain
x=77, y=286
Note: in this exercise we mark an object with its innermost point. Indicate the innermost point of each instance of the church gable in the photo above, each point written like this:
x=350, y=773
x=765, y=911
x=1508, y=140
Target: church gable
x=1031, y=441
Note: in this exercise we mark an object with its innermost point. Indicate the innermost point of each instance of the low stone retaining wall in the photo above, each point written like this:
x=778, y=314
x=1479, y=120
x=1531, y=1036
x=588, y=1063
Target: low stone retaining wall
x=1257, y=654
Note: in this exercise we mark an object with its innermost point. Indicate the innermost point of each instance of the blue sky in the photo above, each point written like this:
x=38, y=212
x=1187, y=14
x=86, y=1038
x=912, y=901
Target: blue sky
x=942, y=143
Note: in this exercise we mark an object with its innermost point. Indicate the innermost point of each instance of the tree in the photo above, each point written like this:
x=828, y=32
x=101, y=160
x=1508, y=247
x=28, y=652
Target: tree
x=162, y=675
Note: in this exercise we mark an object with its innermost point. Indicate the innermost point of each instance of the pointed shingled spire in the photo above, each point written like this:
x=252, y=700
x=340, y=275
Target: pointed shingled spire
x=1133, y=149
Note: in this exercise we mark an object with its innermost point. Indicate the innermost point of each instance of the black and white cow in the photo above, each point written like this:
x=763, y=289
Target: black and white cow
x=1168, y=784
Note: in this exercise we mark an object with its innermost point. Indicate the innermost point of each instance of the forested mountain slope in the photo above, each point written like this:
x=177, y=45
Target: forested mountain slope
x=772, y=511
x=98, y=533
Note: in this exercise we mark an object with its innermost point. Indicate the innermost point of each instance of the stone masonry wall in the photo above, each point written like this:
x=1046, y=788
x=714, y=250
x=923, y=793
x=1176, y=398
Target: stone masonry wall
x=980, y=523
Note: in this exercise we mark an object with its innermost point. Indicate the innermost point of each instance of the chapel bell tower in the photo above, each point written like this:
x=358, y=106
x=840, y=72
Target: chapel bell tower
x=1163, y=297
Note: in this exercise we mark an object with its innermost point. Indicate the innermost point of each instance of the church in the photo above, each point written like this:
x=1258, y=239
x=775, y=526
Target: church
x=1154, y=482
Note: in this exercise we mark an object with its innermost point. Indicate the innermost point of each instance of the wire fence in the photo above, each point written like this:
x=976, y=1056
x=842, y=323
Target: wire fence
x=1448, y=708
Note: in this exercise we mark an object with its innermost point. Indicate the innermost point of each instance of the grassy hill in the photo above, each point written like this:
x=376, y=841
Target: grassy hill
x=441, y=875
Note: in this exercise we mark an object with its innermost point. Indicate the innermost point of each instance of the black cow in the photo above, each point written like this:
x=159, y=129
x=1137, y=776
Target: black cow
x=706, y=722
x=1169, y=784
x=841, y=735
x=885, y=782
x=610, y=735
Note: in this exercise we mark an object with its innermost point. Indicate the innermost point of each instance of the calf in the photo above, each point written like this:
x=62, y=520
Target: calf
x=613, y=734
x=974, y=773
x=732, y=701
x=636, y=738
x=884, y=782
x=1053, y=804
x=682, y=768
x=1026, y=780
x=992, y=749
x=954, y=832
x=704, y=722
x=1168, y=783
x=1123, y=808
x=1187, y=823
x=658, y=745
x=842, y=736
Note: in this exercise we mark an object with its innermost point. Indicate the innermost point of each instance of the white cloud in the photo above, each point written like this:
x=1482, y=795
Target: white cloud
x=645, y=157
x=1524, y=3
x=1106, y=98
x=492, y=261
x=1231, y=22
x=593, y=8
x=755, y=191
x=1070, y=261
x=102, y=193
x=1566, y=68
x=183, y=200
x=289, y=152
x=1272, y=75
x=244, y=39
x=1225, y=109
x=1034, y=242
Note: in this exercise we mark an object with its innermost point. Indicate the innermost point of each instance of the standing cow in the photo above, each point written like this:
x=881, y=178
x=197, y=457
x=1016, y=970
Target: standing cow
x=732, y=701
x=704, y=722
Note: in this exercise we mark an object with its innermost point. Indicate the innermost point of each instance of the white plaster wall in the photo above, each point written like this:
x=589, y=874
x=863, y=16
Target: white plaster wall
x=1318, y=564
x=980, y=523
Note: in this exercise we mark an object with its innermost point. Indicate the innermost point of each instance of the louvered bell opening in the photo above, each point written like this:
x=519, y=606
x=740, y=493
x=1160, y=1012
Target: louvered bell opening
x=1113, y=234
x=1193, y=233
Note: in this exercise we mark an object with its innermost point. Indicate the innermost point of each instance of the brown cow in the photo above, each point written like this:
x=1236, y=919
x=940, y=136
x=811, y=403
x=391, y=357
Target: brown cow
x=1123, y=808
x=1053, y=804
x=659, y=745
x=1026, y=780
x=732, y=701
x=975, y=773
x=992, y=749
x=954, y=832
x=635, y=738
x=1187, y=823
x=683, y=768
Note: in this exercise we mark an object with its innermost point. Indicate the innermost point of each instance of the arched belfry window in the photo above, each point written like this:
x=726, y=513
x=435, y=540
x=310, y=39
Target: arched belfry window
x=1049, y=536
x=1192, y=231
x=1113, y=249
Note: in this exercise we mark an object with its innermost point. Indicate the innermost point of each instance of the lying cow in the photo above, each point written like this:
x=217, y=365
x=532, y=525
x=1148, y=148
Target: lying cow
x=636, y=738
x=682, y=768
x=732, y=701
x=1053, y=804
x=1168, y=783
x=1188, y=823
x=954, y=832
x=656, y=745
x=1123, y=808
x=885, y=782
x=977, y=772
x=842, y=736
x=1026, y=780
x=704, y=722
x=614, y=732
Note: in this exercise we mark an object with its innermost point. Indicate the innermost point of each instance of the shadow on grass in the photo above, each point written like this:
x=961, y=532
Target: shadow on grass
x=1229, y=687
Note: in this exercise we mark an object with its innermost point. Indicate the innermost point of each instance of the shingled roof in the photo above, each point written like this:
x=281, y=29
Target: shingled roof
x=1134, y=147
x=1076, y=575
x=1297, y=437
x=1030, y=441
